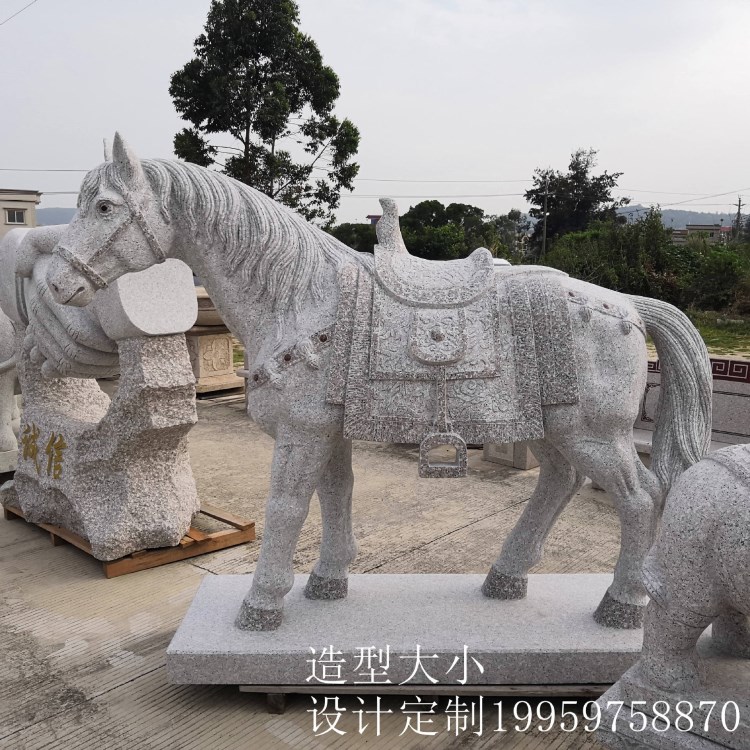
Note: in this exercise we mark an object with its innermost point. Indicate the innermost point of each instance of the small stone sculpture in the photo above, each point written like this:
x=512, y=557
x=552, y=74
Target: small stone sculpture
x=115, y=472
x=698, y=575
x=340, y=345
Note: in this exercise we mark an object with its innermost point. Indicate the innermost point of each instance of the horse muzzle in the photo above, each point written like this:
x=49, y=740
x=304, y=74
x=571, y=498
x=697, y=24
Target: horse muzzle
x=68, y=286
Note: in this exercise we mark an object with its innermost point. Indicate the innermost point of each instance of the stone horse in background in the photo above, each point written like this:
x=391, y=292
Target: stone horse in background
x=696, y=634
x=345, y=345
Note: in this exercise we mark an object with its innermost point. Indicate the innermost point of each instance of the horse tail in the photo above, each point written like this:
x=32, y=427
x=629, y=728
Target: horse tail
x=683, y=424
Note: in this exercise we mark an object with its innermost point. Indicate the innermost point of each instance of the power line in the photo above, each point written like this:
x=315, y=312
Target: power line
x=18, y=12
x=714, y=195
x=10, y=169
x=435, y=195
x=383, y=179
x=665, y=192
x=620, y=190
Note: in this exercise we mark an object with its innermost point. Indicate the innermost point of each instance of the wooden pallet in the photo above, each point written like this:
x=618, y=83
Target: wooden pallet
x=195, y=542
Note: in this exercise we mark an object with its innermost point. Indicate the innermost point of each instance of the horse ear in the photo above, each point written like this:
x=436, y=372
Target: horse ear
x=126, y=162
x=107, y=150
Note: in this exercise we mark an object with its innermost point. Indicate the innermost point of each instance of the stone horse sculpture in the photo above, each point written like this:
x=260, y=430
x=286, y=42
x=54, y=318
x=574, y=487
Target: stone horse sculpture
x=697, y=575
x=345, y=345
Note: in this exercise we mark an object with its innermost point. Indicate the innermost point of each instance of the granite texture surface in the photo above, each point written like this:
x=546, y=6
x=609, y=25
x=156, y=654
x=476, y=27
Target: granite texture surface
x=547, y=638
x=719, y=710
x=115, y=472
x=278, y=283
x=696, y=644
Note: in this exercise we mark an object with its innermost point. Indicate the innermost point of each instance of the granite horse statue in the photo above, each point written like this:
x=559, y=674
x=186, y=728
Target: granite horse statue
x=342, y=344
x=698, y=571
x=697, y=575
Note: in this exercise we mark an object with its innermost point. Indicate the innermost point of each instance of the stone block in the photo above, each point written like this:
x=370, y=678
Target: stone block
x=116, y=473
x=211, y=355
x=157, y=301
x=547, y=638
x=517, y=455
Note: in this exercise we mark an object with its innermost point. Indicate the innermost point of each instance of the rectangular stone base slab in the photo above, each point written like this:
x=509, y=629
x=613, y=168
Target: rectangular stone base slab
x=549, y=638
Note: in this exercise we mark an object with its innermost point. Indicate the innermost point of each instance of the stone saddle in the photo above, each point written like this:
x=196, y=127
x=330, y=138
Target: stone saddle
x=443, y=352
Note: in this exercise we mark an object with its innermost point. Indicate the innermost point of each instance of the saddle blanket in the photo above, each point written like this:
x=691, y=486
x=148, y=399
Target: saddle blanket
x=484, y=369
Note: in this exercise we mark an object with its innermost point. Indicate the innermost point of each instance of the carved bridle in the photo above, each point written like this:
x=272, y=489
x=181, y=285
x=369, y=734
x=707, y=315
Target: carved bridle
x=85, y=268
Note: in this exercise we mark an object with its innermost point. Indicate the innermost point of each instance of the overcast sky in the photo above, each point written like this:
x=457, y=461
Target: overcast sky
x=441, y=90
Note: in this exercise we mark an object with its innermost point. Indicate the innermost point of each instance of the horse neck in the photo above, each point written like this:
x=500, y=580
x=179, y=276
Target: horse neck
x=249, y=315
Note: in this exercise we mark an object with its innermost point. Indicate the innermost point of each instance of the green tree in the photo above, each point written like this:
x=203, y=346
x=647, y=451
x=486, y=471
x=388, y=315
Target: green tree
x=599, y=255
x=360, y=237
x=437, y=232
x=511, y=235
x=256, y=77
x=574, y=199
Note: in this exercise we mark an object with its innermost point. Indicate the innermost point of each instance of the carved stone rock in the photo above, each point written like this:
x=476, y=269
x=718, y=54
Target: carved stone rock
x=115, y=472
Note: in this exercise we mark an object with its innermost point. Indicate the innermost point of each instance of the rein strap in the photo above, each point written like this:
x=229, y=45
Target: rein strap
x=85, y=268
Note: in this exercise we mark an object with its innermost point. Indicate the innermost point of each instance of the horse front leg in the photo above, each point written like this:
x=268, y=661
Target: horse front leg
x=299, y=460
x=558, y=482
x=338, y=548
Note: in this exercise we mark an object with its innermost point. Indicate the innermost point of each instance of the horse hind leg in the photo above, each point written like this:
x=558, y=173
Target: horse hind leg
x=338, y=547
x=558, y=482
x=615, y=466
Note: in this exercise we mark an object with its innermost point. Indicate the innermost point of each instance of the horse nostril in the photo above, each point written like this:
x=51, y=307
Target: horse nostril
x=55, y=287
x=80, y=289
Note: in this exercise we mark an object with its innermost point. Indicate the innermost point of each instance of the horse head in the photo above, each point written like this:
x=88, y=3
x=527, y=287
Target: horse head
x=118, y=229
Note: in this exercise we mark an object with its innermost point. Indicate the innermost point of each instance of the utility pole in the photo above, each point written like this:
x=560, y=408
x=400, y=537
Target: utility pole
x=544, y=226
x=738, y=220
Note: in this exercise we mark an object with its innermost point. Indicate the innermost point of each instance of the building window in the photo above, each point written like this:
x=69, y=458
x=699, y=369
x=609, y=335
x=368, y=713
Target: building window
x=15, y=215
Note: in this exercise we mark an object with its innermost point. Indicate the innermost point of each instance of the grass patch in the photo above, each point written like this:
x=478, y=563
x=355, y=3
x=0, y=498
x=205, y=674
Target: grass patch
x=238, y=353
x=723, y=333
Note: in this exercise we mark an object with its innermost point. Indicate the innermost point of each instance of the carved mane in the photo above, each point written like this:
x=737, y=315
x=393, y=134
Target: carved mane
x=274, y=250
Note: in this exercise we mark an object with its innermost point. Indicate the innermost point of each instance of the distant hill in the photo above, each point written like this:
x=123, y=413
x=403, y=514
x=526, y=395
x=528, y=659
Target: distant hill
x=671, y=217
x=674, y=218
x=47, y=217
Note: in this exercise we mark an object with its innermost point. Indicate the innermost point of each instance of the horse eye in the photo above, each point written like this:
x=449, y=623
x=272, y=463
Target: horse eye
x=104, y=207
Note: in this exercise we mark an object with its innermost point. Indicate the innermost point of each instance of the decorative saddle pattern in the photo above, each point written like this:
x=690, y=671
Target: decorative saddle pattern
x=445, y=353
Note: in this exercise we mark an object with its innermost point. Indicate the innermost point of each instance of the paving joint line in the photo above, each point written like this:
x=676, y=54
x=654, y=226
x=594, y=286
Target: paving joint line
x=446, y=534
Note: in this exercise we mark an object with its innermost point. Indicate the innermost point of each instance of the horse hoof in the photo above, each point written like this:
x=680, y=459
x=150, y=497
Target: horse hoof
x=253, y=618
x=614, y=614
x=501, y=586
x=319, y=587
